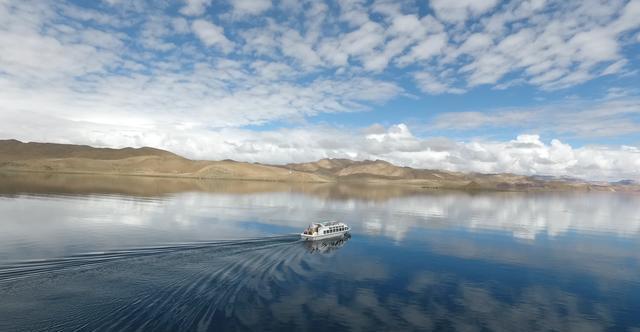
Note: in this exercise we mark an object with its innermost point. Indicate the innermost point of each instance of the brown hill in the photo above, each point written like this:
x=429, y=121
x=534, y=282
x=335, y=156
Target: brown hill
x=16, y=150
x=327, y=167
x=380, y=171
x=67, y=158
x=372, y=169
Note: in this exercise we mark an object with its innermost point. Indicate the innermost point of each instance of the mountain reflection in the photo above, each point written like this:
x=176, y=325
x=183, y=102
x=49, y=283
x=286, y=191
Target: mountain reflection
x=368, y=207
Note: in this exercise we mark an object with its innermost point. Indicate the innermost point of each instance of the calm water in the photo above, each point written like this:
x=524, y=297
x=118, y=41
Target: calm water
x=88, y=253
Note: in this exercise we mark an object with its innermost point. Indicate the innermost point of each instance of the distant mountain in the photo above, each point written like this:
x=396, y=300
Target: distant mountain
x=371, y=170
x=15, y=150
x=16, y=156
x=624, y=183
x=557, y=178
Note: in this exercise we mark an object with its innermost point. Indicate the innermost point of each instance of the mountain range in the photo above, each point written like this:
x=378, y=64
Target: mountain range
x=16, y=156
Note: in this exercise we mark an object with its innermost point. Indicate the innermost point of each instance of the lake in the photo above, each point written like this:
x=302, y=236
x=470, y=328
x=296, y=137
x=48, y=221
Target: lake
x=123, y=253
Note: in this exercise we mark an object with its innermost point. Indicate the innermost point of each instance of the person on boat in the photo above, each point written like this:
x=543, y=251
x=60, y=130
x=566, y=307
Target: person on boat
x=309, y=230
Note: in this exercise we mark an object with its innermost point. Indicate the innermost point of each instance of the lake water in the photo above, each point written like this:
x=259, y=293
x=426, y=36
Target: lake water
x=109, y=253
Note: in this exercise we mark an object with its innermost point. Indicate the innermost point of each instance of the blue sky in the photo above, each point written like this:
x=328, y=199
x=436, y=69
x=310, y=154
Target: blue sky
x=529, y=87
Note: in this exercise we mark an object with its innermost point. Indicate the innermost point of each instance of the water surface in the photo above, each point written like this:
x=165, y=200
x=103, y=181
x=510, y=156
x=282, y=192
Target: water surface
x=118, y=253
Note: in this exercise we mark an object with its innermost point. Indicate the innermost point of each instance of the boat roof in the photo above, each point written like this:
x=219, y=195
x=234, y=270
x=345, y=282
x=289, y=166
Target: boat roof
x=328, y=223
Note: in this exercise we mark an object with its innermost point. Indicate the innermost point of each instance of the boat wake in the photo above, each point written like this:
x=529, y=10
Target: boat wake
x=195, y=286
x=33, y=267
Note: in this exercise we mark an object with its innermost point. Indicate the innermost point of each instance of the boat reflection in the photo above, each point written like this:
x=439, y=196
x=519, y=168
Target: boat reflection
x=327, y=245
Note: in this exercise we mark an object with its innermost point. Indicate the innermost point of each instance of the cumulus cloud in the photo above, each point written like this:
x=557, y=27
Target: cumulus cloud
x=211, y=34
x=195, y=7
x=250, y=7
x=615, y=115
x=526, y=154
x=434, y=85
x=555, y=51
x=458, y=11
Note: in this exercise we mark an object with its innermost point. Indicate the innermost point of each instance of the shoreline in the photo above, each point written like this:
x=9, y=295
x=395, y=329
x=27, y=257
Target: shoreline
x=415, y=184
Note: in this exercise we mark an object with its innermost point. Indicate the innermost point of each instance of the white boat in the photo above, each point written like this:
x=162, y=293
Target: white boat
x=325, y=230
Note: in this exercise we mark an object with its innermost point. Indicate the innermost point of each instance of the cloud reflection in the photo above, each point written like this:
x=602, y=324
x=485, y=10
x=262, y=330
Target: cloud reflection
x=417, y=260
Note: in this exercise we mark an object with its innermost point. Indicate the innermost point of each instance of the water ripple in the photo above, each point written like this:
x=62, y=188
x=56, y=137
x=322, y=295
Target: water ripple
x=195, y=286
x=28, y=268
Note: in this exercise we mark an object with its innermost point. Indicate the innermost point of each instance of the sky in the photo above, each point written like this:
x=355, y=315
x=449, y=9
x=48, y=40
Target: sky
x=538, y=87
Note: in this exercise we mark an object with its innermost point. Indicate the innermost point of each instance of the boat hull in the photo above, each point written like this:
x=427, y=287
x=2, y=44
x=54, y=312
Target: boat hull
x=308, y=237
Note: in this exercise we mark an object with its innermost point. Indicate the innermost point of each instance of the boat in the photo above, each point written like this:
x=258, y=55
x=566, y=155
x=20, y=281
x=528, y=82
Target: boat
x=325, y=230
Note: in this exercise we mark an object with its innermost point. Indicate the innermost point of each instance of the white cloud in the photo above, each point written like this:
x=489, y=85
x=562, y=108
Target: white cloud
x=195, y=7
x=273, y=71
x=613, y=116
x=461, y=10
x=507, y=44
x=296, y=47
x=475, y=43
x=526, y=154
x=433, y=85
x=86, y=77
x=250, y=7
x=629, y=18
x=28, y=55
x=180, y=25
x=615, y=67
x=211, y=34
x=555, y=50
x=429, y=47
